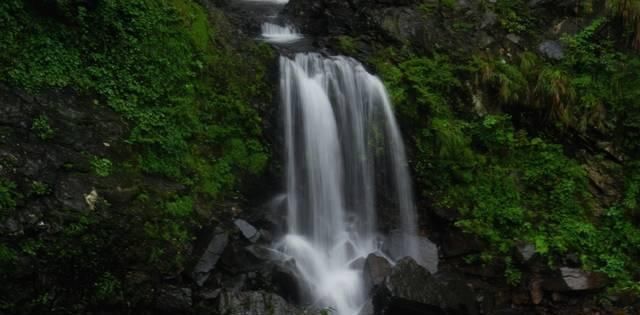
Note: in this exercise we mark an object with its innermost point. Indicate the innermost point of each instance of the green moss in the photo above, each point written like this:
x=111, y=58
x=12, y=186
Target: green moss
x=39, y=188
x=101, y=166
x=8, y=195
x=189, y=91
x=347, y=44
x=42, y=128
x=510, y=187
x=157, y=62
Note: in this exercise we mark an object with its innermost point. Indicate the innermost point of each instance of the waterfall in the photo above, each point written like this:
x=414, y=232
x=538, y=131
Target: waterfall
x=343, y=148
x=275, y=33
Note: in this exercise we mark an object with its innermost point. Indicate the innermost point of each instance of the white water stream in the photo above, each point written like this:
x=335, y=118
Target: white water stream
x=275, y=33
x=343, y=148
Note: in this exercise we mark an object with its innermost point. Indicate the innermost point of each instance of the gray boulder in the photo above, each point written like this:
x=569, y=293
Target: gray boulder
x=574, y=279
x=375, y=270
x=428, y=256
x=551, y=49
x=248, y=231
x=210, y=257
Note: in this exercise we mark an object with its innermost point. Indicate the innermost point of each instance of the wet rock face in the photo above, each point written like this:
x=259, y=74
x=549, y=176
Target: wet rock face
x=254, y=303
x=429, y=256
x=411, y=289
x=375, y=271
x=174, y=299
x=248, y=231
x=551, y=49
x=210, y=257
x=573, y=279
x=47, y=141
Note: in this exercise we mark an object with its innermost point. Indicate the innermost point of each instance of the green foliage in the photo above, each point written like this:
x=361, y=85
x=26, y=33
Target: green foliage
x=594, y=86
x=42, y=128
x=188, y=90
x=101, y=166
x=7, y=255
x=181, y=207
x=187, y=95
x=513, y=15
x=347, y=44
x=8, y=195
x=628, y=11
x=508, y=187
x=39, y=188
x=107, y=287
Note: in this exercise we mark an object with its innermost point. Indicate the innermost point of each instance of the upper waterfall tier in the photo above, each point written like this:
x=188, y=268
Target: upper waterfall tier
x=279, y=34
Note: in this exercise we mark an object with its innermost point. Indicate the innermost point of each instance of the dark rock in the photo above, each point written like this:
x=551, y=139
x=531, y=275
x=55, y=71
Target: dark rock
x=376, y=269
x=411, y=289
x=457, y=243
x=248, y=231
x=71, y=191
x=209, y=294
x=574, y=279
x=237, y=258
x=514, y=38
x=284, y=278
x=173, y=298
x=367, y=309
x=551, y=49
x=535, y=288
x=254, y=303
x=526, y=252
x=358, y=263
x=428, y=251
x=401, y=24
x=235, y=283
x=210, y=257
x=489, y=19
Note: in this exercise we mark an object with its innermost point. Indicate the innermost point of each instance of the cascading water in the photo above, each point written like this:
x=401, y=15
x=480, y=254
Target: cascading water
x=279, y=34
x=340, y=137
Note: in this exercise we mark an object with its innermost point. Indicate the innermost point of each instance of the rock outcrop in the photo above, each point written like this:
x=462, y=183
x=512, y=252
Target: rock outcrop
x=254, y=303
x=411, y=289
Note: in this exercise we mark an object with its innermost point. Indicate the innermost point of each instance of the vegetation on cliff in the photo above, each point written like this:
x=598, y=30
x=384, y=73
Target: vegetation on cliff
x=188, y=94
x=494, y=136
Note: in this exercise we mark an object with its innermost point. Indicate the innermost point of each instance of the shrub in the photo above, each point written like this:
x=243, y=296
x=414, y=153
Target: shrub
x=42, y=128
x=7, y=195
x=101, y=166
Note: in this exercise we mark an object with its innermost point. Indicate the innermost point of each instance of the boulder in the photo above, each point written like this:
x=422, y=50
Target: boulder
x=254, y=303
x=358, y=263
x=174, y=299
x=285, y=279
x=526, y=251
x=427, y=254
x=210, y=257
x=551, y=49
x=375, y=271
x=367, y=309
x=411, y=289
x=574, y=279
x=71, y=191
x=247, y=230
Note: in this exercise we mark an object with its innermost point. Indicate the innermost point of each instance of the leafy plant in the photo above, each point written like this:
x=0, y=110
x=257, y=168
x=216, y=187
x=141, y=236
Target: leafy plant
x=7, y=195
x=629, y=12
x=101, y=166
x=347, y=44
x=39, y=188
x=42, y=128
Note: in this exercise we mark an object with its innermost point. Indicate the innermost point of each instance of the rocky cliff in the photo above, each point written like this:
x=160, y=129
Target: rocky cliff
x=139, y=153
